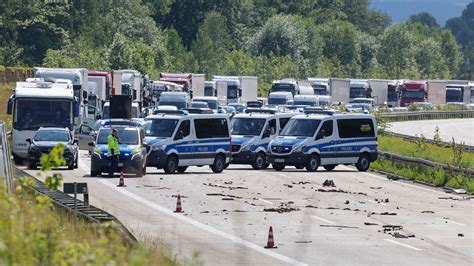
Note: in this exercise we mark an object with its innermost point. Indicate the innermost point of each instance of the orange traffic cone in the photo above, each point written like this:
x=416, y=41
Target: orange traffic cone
x=270, y=242
x=121, y=181
x=178, y=205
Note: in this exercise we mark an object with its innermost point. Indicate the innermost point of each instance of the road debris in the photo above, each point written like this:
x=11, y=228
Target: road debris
x=301, y=183
x=346, y=202
x=367, y=223
x=227, y=198
x=427, y=212
x=461, y=235
x=222, y=186
x=338, y=226
x=288, y=185
x=386, y=213
x=329, y=183
x=223, y=195
x=284, y=207
x=375, y=187
x=303, y=242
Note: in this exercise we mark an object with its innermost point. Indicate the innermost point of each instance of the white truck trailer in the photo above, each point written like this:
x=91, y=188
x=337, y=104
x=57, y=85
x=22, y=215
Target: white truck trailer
x=36, y=104
x=240, y=89
x=379, y=91
x=437, y=91
x=339, y=90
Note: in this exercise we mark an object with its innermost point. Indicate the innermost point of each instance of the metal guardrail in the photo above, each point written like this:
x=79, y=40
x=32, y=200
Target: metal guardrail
x=5, y=160
x=66, y=202
x=468, y=148
x=426, y=115
x=425, y=163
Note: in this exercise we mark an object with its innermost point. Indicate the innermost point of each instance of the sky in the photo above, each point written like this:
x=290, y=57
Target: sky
x=400, y=10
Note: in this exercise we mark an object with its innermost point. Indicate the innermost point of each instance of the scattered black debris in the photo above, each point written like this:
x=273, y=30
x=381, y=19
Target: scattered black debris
x=303, y=242
x=338, y=226
x=205, y=212
x=346, y=209
x=328, y=183
x=228, y=182
x=361, y=193
x=181, y=196
x=392, y=177
x=427, y=212
x=386, y=200
x=386, y=213
x=375, y=187
x=367, y=223
x=223, y=195
x=288, y=185
x=346, y=202
x=311, y=206
x=284, y=207
x=461, y=235
x=227, y=198
x=221, y=186
x=332, y=190
x=400, y=235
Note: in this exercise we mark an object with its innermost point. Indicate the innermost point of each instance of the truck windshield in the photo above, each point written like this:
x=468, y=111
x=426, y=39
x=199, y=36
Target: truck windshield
x=247, y=126
x=211, y=103
x=357, y=92
x=232, y=92
x=301, y=128
x=413, y=94
x=31, y=114
x=208, y=91
x=283, y=87
x=52, y=135
x=160, y=128
x=179, y=105
x=392, y=96
x=127, y=136
x=277, y=101
x=92, y=101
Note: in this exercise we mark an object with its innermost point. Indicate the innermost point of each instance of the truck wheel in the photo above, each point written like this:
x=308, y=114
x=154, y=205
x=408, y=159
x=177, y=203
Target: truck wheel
x=330, y=167
x=363, y=163
x=278, y=166
x=171, y=165
x=218, y=165
x=17, y=160
x=181, y=169
x=312, y=163
x=259, y=162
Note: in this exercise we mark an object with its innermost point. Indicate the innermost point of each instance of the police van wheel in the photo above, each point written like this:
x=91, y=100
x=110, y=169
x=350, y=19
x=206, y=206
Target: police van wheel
x=299, y=167
x=181, y=169
x=171, y=165
x=278, y=166
x=266, y=165
x=259, y=162
x=363, y=163
x=330, y=167
x=76, y=162
x=226, y=165
x=218, y=165
x=71, y=166
x=17, y=160
x=94, y=173
x=312, y=163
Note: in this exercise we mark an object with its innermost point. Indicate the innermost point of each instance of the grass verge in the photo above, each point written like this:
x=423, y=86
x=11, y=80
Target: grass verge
x=437, y=177
x=426, y=151
x=34, y=232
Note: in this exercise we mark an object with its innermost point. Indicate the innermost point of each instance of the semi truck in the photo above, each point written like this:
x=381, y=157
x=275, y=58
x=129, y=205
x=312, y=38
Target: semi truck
x=131, y=84
x=238, y=89
x=296, y=87
x=436, y=91
x=359, y=88
x=392, y=93
x=379, y=89
x=104, y=81
x=36, y=103
x=456, y=90
x=79, y=80
x=413, y=91
x=192, y=83
x=339, y=90
x=320, y=85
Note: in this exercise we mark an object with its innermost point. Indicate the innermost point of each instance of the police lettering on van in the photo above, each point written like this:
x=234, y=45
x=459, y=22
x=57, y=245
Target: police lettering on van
x=251, y=133
x=313, y=140
x=180, y=140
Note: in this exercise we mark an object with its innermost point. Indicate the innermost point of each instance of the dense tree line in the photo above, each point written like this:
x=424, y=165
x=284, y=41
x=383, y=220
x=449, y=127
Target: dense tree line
x=268, y=38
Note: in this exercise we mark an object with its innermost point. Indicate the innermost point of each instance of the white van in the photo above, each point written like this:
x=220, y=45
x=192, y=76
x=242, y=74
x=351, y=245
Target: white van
x=280, y=97
x=212, y=102
x=309, y=100
x=179, y=99
x=251, y=133
x=178, y=140
x=315, y=139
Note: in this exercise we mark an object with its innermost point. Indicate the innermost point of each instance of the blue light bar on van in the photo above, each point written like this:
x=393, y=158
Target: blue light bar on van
x=320, y=111
x=259, y=110
x=198, y=110
x=170, y=112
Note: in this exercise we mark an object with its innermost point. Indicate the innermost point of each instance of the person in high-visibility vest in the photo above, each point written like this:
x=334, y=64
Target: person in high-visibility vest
x=113, y=151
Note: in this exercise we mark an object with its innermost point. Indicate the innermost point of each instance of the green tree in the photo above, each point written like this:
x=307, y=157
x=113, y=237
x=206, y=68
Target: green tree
x=130, y=54
x=430, y=60
x=424, y=18
x=396, y=50
x=450, y=50
x=467, y=68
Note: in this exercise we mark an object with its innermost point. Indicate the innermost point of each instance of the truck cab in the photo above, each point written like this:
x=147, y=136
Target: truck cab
x=320, y=85
x=359, y=89
x=251, y=133
x=179, y=99
x=413, y=91
x=280, y=98
x=37, y=104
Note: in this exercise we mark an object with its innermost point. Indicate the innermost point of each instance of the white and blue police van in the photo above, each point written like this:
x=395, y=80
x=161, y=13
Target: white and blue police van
x=251, y=134
x=178, y=139
x=325, y=139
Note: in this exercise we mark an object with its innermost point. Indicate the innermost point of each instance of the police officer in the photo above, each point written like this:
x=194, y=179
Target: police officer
x=113, y=151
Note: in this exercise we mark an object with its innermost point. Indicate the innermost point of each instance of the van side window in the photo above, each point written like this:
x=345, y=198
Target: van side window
x=185, y=126
x=327, y=127
x=283, y=122
x=272, y=126
x=355, y=128
x=211, y=128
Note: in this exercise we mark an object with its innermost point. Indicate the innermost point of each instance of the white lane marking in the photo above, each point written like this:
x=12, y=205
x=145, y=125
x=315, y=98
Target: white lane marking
x=402, y=183
x=204, y=227
x=322, y=219
x=401, y=244
x=449, y=221
x=266, y=201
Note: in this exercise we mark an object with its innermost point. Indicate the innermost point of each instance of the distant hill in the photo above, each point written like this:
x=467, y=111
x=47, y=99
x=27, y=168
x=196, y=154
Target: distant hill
x=400, y=10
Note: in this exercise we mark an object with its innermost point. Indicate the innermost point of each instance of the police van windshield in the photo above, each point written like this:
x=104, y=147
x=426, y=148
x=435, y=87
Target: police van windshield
x=52, y=135
x=160, y=128
x=301, y=128
x=126, y=135
x=247, y=126
x=32, y=114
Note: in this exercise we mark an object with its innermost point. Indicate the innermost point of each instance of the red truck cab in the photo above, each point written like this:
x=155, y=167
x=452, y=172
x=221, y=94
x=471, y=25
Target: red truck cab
x=413, y=91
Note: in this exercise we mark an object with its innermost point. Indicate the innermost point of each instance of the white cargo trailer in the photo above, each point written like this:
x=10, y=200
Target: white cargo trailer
x=437, y=91
x=340, y=90
x=379, y=91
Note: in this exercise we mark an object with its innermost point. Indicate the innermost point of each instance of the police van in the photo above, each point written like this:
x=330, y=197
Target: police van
x=251, y=133
x=179, y=139
x=325, y=139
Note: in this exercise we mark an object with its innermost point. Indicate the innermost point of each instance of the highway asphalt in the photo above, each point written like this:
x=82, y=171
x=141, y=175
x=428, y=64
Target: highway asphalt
x=365, y=219
x=461, y=129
